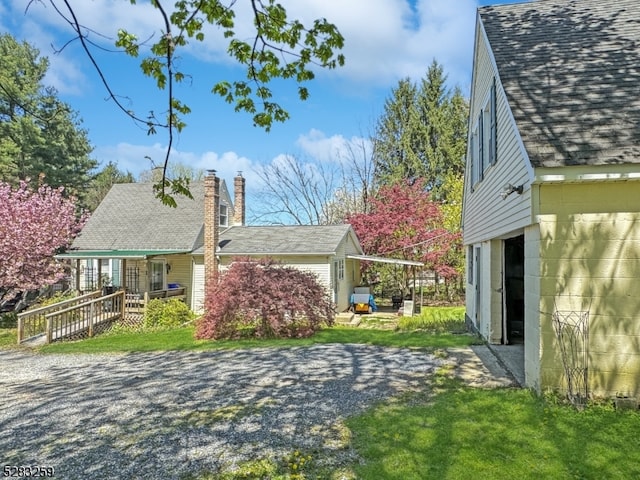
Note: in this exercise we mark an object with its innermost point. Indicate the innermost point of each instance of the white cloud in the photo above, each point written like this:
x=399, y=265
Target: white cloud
x=335, y=148
x=138, y=158
x=384, y=39
x=131, y=158
x=390, y=39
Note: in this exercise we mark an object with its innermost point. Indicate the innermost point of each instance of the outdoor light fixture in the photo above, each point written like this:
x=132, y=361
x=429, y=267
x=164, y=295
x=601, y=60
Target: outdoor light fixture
x=509, y=189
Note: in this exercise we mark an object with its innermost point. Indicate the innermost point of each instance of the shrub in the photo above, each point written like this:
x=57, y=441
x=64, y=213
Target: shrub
x=169, y=314
x=264, y=299
x=8, y=320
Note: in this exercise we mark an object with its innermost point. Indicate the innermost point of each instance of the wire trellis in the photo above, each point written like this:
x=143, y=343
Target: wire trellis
x=572, y=332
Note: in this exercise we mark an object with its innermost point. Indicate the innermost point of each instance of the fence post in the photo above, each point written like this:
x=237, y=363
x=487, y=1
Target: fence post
x=49, y=329
x=91, y=309
x=122, y=304
x=20, y=330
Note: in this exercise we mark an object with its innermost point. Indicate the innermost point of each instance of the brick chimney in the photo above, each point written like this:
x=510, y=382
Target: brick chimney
x=238, y=200
x=211, y=227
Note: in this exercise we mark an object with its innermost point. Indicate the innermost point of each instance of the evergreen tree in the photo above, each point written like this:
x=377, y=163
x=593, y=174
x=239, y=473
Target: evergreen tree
x=396, y=144
x=39, y=134
x=102, y=183
x=422, y=133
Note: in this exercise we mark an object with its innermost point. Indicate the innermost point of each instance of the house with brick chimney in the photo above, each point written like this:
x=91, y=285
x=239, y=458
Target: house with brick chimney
x=133, y=241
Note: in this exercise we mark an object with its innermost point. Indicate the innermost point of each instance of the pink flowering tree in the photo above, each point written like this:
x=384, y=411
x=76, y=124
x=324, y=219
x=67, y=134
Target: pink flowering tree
x=34, y=226
x=404, y=223
x=264, y=299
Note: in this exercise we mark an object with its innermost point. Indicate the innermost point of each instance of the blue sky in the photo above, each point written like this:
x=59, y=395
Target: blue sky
x=386, y=40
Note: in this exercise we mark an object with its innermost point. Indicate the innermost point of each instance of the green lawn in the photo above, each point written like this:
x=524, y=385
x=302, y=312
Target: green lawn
x=464, y=432
x=8, y=337
x=182, y=339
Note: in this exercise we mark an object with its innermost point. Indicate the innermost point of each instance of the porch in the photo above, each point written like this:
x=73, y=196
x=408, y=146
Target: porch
x=137, y=302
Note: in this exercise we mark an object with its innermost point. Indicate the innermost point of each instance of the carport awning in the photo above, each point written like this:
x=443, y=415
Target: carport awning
x=125, y=254
x=394, y=261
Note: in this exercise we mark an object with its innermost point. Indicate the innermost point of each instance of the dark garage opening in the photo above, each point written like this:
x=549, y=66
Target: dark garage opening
x=513, y=327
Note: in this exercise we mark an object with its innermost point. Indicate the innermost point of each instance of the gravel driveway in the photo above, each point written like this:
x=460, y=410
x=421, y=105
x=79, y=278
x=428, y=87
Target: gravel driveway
x=161, y=415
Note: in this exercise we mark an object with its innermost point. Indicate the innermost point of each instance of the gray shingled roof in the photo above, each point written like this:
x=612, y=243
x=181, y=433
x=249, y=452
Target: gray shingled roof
x=131, y=218
x=571, y=72
x=282, y=240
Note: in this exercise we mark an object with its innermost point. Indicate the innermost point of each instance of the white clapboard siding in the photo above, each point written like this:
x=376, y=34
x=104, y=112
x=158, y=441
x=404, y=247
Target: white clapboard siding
x=485, y=214
x=197, y=287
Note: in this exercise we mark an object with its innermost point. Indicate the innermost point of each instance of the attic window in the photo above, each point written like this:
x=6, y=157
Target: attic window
x=224, y=215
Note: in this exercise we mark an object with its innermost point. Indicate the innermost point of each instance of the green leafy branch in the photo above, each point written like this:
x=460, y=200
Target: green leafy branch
x=281, y=48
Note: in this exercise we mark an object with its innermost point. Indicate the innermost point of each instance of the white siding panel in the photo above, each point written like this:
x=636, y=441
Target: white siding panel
x=180, y=272
x=351, y=248
x=319, y=265
x=321, y=270
x=486, y=215
x=197, y=288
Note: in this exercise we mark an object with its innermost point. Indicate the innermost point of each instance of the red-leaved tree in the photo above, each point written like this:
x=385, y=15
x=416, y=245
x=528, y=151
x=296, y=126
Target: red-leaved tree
x=34, y=226
x=405, y=223
x=264, y=299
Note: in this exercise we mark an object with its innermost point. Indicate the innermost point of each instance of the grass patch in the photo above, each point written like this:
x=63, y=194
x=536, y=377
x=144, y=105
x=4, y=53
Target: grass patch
x=436, y=319
x=8, y=330
x=8, y=337
x=183, y=339
x=291, y=467
x=464, y=432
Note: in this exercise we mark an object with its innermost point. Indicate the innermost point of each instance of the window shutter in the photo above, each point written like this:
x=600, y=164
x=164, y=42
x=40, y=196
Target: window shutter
x=481, y=144
x=494, y=126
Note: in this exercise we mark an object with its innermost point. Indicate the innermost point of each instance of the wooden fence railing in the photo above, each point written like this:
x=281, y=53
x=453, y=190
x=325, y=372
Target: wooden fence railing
x=81, y=315
x=33, y=322
x=83, y=319
x=137, y=302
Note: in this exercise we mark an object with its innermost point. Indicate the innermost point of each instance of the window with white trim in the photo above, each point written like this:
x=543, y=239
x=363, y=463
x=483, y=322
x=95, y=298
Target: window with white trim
x=224, y=215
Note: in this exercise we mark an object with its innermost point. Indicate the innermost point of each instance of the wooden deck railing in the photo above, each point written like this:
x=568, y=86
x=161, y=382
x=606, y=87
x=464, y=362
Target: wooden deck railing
x=82, y=320
x=80, y=315
x=33, y=322
x=138, y=302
